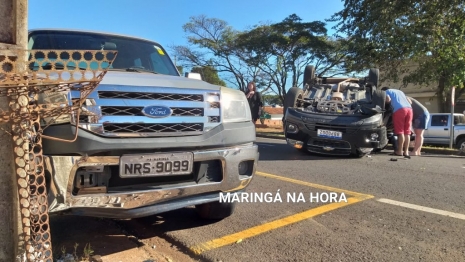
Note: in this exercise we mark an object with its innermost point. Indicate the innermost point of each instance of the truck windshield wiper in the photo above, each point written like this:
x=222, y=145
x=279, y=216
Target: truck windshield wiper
x=138, y=69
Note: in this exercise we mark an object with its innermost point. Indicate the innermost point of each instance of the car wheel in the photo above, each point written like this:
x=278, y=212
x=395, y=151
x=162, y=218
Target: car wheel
x=379, y=99
x=359, y=154
x=377, y=150
x=215, y=210
x=461, y=145
x=373, y=76
x=293, y=98
x=309, y=74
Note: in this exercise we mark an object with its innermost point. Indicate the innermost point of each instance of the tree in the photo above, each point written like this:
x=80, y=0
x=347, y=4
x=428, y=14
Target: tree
x=212, y=43
x=209, y=74
x=180, y=69
x=272, y=99
x=282, y=50
x=392, y=34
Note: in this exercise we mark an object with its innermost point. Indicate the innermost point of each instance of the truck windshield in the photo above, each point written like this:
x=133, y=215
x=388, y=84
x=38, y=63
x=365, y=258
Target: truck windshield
x=133, y=54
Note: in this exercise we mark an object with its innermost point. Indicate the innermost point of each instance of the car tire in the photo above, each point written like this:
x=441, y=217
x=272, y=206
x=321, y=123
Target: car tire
x=373, y=77
x=359, y=154
x=461, y=145
x=215, y=210
x=292, y=98
x=309, y=74
x=377, y=150
x=379, y=99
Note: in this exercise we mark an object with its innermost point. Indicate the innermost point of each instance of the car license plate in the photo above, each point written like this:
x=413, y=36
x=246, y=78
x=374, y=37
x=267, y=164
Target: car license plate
x=329, y=134
x=163, y=164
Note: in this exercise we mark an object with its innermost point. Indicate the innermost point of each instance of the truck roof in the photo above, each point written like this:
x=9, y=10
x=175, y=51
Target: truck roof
x=90, y=31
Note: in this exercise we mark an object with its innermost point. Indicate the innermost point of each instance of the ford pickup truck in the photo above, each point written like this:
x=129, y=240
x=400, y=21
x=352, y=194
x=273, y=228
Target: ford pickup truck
x=438, y=130
x=155, y=141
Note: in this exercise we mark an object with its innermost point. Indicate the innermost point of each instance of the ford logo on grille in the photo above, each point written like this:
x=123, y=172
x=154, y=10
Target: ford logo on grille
x=157, y=111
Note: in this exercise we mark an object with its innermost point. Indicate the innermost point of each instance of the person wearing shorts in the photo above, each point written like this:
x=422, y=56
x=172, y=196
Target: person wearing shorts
x=401, y=118
x=420, y=122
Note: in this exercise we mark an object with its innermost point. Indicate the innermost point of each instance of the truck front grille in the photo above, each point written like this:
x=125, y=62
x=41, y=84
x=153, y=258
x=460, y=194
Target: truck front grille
x=150, y=96
x=118, y=111
x=152, y=128
x=137, y=111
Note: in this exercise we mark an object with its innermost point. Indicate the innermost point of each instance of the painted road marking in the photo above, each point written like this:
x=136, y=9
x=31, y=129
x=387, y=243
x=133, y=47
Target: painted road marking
x=422, y=208
x=295, y=181
x=260, y=229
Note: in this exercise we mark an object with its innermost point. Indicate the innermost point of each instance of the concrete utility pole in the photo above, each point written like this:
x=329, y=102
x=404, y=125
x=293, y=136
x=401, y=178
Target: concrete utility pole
x=13, y=35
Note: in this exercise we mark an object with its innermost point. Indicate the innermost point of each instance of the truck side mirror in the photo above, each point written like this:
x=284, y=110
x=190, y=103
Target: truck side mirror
x=193, y=75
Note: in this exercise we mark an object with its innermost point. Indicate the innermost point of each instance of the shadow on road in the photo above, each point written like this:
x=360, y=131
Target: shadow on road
x=108, y=236
x=275, y=151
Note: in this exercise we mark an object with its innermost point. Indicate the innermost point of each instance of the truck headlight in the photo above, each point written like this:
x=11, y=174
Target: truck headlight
x=234, y=106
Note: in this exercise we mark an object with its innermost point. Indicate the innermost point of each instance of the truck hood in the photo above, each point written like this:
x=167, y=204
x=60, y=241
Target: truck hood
x=150, y=79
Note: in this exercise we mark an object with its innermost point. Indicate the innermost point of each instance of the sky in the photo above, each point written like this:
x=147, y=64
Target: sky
x=162, y=21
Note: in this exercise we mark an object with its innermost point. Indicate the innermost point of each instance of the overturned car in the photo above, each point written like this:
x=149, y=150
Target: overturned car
x=337, y=116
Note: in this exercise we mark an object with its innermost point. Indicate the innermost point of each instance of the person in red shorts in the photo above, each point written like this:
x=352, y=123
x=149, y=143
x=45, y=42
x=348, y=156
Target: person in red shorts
x=401, y=118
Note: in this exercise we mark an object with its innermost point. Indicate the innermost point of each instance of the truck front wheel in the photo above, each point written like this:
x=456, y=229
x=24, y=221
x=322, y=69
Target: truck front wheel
x=215, y=210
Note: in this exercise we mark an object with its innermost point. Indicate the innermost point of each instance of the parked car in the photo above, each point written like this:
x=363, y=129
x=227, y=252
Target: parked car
x=438, y=130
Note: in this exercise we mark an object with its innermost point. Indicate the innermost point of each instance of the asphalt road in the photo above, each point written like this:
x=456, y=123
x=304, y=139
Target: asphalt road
x=405, y=210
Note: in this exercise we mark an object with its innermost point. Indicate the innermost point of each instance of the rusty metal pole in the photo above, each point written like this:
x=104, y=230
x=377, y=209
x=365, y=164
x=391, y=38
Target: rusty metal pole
x=13, y=35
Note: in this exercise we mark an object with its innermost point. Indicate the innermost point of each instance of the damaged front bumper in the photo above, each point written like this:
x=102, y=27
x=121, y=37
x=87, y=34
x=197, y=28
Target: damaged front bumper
x=91, y=186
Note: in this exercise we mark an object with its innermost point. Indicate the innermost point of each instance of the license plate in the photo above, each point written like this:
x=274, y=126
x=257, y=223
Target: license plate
x=329, y=134
x=164, y=164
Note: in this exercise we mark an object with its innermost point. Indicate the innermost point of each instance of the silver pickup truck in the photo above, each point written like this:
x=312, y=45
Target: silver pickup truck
x=156, y=141
x=438, y=130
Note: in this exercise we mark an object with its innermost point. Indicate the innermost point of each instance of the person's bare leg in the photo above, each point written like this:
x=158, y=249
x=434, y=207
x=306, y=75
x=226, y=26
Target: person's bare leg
x=400, y=144
x=418, y=141
x=406, y=144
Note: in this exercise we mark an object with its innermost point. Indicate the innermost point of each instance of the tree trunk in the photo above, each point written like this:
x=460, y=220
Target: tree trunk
x=442, y=97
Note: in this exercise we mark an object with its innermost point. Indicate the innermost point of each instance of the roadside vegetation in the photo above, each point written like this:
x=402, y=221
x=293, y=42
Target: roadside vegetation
x=369, y=33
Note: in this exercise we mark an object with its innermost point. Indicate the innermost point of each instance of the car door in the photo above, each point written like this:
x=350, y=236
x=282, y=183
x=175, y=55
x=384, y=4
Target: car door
x=438, y=131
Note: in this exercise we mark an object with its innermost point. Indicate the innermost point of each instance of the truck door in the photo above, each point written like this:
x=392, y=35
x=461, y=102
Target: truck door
x=438, y=130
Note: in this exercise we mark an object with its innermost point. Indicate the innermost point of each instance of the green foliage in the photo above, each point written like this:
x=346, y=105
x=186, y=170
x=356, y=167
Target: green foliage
x=272, y=55
x=211, y=43
x=393, y=34
x=180, y=69
x=209, y=74
x=271, y=99
x=282, y=50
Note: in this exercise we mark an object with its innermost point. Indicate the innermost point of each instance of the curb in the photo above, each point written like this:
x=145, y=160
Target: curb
x=425, y=150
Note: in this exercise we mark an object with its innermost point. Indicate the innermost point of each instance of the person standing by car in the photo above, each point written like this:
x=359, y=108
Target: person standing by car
x=255, y=101
x=420, y=122
x=402, y=116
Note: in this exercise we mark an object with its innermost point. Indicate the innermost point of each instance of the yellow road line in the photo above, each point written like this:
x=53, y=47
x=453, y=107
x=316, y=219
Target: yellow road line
x=257, y=230
x=332, y=189
x=260, y=229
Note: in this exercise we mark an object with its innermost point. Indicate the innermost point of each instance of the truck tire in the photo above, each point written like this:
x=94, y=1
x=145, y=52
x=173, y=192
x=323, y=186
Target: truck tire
x=215, y=210
x=461, y=145
x=292, y=98
x=309, y=74
x=373, y=76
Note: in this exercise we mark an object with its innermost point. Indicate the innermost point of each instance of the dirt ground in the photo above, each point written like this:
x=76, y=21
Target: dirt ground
x=109, y=242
